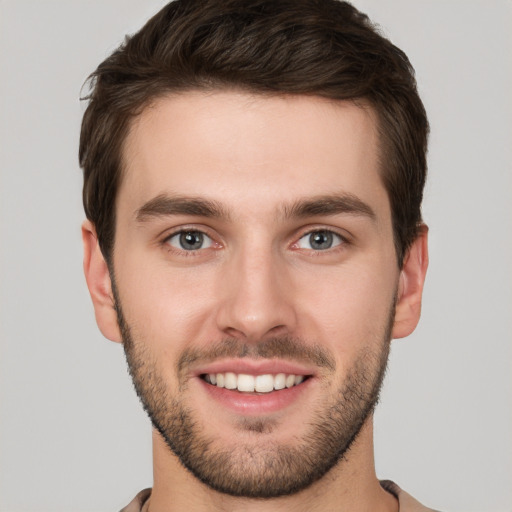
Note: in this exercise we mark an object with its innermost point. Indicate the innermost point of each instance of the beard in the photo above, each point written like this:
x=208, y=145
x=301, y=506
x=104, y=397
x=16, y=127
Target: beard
x=262, y=468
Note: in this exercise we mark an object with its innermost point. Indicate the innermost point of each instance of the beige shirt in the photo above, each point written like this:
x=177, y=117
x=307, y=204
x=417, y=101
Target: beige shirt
x=406, y=502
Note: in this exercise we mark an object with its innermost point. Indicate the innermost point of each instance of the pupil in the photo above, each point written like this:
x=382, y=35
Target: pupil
x=321, y=240
x=191, y=240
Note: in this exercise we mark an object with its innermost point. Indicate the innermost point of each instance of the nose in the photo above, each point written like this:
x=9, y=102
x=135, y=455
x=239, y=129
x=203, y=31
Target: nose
x=257, y=297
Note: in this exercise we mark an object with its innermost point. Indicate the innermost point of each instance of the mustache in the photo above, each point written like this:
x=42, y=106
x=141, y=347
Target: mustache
x=283, y=347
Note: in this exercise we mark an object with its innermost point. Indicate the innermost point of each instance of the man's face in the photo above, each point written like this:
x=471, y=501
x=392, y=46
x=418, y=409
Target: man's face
x=254, y=250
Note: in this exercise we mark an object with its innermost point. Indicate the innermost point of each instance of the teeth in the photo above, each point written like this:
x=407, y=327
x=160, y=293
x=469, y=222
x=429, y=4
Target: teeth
x=230, y=380
x=264, y=383
x=245, y=383
x=280, y=381
x=250, y=383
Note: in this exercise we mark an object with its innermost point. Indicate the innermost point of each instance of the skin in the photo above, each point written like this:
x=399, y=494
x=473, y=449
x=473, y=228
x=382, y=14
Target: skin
x=255, y=157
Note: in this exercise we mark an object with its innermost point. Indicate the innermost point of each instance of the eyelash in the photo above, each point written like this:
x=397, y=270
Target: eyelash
x=184, y=252
x=344, y=241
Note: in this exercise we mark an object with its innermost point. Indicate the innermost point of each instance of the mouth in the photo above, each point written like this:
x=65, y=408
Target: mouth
x=255, y=387
x=256, y=384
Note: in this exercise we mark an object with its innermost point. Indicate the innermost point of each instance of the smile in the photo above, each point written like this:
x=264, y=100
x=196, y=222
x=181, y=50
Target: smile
x=245, y=383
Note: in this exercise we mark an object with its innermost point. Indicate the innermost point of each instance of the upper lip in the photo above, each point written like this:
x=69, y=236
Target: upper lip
x=254, y=367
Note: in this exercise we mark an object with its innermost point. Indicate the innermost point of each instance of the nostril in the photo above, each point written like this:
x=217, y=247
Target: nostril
x=235, y=333
x=278, y=329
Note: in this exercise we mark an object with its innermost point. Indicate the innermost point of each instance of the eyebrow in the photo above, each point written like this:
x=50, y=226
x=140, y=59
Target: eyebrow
x=163, y=206
x=325, y=205
x=344, y=203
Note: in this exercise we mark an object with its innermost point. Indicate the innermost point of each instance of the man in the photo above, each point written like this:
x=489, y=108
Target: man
x=253, y=175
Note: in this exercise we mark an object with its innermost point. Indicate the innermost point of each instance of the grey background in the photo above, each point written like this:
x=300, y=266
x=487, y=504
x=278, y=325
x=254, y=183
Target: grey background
x=72, y=434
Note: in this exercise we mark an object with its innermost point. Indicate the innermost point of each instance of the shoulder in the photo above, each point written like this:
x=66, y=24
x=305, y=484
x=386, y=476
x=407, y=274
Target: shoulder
x=406, y=501
x=138, y=502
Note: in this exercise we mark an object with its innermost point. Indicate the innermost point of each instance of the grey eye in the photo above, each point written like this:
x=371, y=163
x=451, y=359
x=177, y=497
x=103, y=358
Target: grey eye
x=320, y=240
x=190, y=240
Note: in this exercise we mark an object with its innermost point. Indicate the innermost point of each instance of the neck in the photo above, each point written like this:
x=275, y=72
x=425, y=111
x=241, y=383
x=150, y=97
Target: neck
x=351, y=485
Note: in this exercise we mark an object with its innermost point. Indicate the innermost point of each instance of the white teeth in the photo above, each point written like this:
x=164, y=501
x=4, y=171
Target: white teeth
x=264, y=383
x=280, y=381
x=230, y=380
x=249, y=383
x=245, y=383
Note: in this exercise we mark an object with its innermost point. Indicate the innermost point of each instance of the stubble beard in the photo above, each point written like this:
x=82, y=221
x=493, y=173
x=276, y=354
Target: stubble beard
x=263, y=469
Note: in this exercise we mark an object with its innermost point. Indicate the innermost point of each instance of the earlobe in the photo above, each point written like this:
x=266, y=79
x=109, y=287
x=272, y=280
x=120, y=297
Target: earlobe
x=410, y=288
x=100, y=286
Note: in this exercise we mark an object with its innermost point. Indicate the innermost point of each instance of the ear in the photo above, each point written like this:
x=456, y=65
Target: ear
x=99, y=284
x=410, y=286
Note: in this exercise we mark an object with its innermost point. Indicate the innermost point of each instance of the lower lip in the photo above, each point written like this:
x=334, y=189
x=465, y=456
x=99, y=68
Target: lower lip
x=253, y=404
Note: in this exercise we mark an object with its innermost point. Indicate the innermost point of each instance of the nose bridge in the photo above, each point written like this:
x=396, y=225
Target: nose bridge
x=256, y=301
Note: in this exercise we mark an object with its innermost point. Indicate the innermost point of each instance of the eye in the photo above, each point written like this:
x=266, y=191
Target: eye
x=320, y=240
x=189, y=240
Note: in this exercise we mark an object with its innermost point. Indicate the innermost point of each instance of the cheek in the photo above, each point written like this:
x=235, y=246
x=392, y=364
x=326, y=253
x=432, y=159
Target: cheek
x=348, y=307
x=165, y=306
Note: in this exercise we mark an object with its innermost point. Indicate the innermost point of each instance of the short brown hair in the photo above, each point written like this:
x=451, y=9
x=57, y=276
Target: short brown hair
x=323, y=48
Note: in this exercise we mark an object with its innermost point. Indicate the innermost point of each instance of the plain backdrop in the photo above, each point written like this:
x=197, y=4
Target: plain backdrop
x=72, y=434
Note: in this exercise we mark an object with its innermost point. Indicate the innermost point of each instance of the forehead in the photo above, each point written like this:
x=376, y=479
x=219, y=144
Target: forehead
x=250, y=151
